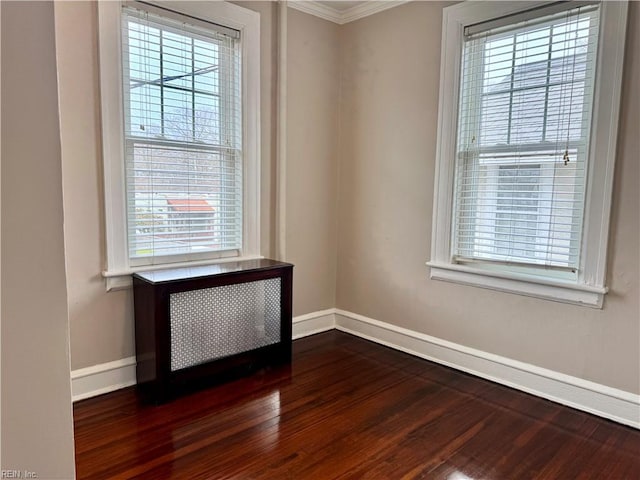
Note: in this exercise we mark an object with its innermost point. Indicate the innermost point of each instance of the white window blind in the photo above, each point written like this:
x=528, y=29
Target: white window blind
x=523, y=139
x=182, y=138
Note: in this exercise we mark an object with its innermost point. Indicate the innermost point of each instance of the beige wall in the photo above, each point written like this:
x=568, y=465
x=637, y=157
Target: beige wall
x=390, y=81
x=102, y=322
x=371, y=154
x=37, y=430
x=312, y=159
x=362, y=118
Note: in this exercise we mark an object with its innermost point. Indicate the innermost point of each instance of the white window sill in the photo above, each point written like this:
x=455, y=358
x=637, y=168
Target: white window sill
x=520, y=284
x=121, y=279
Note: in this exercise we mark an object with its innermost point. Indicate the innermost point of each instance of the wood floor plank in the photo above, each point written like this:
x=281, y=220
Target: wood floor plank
x=349, y=409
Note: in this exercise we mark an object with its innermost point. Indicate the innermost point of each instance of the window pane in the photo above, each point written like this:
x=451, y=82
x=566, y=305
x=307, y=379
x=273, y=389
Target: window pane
x=522, y=141
x=145, y=110
x=207, y=119
x=177, y=66
x=206, y=58
x=184, y=188
x=178, y=119
x=527, y=115
x=495, y=119
x=181, y=201
x=144, y=52
x=517, y=208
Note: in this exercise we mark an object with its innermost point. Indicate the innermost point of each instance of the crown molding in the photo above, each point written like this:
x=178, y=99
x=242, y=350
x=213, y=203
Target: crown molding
x=317, y=10
x=345, y=16
x=369, y=8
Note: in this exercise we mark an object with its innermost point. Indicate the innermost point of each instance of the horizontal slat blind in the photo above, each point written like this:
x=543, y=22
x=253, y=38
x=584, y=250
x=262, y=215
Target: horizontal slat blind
x=523, y=140
x=183, y=142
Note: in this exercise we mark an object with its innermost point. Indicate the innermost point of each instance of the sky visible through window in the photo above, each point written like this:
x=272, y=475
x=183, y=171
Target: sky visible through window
x=174, y=85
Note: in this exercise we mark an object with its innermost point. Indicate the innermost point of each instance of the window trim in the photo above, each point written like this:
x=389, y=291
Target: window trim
x=118, y=266
x=589, y=288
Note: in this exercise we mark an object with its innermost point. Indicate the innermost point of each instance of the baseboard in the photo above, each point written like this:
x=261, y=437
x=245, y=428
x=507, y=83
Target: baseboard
x=103, y=378
x=108, y=377
x=617, y=405
x=607, y=402
x=314, y=322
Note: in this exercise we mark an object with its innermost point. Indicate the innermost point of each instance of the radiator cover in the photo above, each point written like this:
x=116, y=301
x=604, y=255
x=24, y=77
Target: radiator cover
x=213, y=323
x=200, y=325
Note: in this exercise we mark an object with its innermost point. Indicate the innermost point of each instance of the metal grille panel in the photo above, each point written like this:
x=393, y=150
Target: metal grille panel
x=213, y=323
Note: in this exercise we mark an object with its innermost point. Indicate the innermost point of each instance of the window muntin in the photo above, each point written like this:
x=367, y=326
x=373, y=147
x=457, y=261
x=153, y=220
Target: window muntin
x=526, y=97
x=182, y=139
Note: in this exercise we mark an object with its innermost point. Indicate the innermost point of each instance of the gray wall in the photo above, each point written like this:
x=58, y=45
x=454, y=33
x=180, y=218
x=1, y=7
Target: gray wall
x=37, y=430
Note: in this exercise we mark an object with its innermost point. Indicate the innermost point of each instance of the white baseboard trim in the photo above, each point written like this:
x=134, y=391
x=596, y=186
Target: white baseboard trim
x=108, y=377
x=314, y=322
x=103, y=378
x=617, y=405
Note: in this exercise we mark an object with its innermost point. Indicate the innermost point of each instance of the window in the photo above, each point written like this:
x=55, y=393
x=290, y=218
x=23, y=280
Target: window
x=180, y=97
x=528, y=115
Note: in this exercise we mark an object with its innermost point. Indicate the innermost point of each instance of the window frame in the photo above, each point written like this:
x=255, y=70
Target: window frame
x=119, y=266
x=589, y=287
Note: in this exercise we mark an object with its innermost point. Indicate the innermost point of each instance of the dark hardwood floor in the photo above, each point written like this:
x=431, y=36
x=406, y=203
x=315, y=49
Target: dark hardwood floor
x=350, y=409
